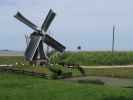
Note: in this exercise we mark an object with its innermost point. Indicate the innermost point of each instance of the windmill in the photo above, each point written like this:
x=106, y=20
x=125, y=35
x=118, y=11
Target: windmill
x=35, y=48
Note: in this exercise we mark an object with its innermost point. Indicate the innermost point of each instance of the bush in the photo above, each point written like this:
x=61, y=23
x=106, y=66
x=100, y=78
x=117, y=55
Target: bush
x=53, y=75
x=55, y=69
x=58, y=71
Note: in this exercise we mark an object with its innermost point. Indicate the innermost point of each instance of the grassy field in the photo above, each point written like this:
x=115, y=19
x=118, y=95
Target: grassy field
x=11, y=59
x=20, y=87
x=82, y=58
x=95, y=58
x=111, y=72
x=20, y=60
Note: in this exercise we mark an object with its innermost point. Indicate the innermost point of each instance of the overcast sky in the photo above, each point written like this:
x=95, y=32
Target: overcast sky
x=87, y=23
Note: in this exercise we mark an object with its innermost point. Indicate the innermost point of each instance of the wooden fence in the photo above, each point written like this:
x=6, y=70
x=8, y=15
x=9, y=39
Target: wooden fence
x=20, y=71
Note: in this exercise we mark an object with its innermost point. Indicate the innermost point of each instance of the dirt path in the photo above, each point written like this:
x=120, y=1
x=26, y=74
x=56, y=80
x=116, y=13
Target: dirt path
x=117, y=66
x=119, y=82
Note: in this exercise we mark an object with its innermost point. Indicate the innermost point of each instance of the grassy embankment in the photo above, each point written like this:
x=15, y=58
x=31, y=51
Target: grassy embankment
x=20, y=61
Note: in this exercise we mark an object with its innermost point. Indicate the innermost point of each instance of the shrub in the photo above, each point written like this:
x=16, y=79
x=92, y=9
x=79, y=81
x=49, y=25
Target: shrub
x=53, y=75
x=58, y=71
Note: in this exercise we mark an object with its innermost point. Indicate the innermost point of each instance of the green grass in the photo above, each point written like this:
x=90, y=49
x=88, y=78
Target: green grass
x=95, y=58
x=82, y=58
x=20, y=60
x=20, y=87
x=11, y=59
x=111, y=72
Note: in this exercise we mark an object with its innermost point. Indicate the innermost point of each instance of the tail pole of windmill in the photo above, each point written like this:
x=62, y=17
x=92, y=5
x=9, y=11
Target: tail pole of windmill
x=48, y=48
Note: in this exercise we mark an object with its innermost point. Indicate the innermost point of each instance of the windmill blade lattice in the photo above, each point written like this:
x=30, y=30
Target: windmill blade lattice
x=50, y=17
x=21, y=18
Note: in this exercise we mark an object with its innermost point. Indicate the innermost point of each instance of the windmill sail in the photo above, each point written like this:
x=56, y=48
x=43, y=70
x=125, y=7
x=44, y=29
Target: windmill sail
x=32, y=47
x=21, y=18
x=53, y=43
x=50, y=17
